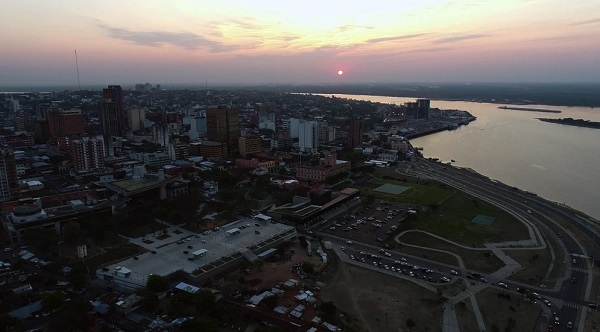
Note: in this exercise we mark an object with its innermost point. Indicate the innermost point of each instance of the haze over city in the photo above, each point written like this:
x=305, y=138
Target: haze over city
x=258, y=42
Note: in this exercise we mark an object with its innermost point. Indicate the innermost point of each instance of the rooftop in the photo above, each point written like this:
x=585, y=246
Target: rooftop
x=169, y=254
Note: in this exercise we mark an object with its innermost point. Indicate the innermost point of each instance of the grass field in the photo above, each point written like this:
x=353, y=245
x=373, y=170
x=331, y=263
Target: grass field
x=452, y=220
x=497, y=311
x=417, y=194
x=373, y=301
x=474, y=259
x=448, y=213
x=536, y=263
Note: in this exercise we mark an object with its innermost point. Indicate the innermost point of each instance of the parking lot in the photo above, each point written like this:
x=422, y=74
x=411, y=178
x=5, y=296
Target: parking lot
x=371, y=224
x=398, y=264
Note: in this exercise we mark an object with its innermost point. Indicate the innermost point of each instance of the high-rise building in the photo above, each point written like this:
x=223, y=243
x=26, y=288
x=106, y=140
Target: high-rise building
x=9, y=182
x=87, y=153
x=355, y=133
x=291, y=126
x=14, y=105
x=64, y=122
x=222, y=126
x=308, y=135
x=423, y=107
x=135, y=118
x=112, y=116
x=112, y=112
x=198, y=127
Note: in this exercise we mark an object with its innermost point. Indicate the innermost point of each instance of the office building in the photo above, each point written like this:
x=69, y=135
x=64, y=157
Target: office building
x=112, y=112
x=198, y=127
x=423, y=107
x=208, y=149
x=87, y=153
x=178, y=151
x=249, y=145
x=222, y=126
x=14, y=105
x=308, y=136
x=112, y=116
x=9, y=182
x=64, y=122
x=291, y=126
x=135, y=118
x=355, y=133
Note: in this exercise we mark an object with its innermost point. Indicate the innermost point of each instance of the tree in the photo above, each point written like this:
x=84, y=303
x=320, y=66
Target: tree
x=410, y=323
x=53, y=300
x=204, y=300
x=8, y=323
x=328, y=309
x=271, y=301
x=156, y=284
x=71, y=231
x=196, y=325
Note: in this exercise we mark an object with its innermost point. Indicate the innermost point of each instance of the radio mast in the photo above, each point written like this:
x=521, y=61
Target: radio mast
x=77, y=66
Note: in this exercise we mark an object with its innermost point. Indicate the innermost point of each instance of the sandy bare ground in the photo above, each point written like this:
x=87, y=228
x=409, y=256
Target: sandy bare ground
x=374, y=301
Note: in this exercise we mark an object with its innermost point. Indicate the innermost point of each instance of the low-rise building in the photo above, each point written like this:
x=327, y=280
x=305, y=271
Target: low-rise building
x=328, y=167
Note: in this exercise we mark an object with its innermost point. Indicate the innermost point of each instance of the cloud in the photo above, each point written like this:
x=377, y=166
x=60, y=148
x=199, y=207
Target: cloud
x=392, y=38
x=592, y=21
x=458, y=38
x=337, y=48
x=185, y=40
x=368, y=42
x=349, y=27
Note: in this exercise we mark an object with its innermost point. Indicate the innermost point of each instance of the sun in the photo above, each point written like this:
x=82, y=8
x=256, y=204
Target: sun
x=340, y=72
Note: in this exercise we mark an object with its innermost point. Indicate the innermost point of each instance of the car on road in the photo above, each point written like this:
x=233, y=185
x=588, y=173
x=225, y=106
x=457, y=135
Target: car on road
x=444, y=279
x=548, y=303
x=573, y=280
x=536, y=296
x=453, y=272
x=503, y=285
x=483, y=280
x=559, y=234
x=343, y=249
x=8, y=249
x=570, y=325
x=348, y=242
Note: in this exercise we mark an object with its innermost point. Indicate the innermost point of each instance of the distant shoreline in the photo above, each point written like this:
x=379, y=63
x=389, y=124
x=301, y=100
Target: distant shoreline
x=573, y=122
x=542, y=110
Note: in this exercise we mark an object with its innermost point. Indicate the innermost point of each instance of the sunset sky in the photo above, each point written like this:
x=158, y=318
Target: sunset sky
x=268, y=41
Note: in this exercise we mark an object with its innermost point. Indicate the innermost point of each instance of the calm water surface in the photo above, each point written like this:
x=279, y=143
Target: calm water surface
x=559, y=162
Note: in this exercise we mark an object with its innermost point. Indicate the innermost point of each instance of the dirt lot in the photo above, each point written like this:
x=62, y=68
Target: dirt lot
x=497, y=311
x=376, y=302
x=269, y=274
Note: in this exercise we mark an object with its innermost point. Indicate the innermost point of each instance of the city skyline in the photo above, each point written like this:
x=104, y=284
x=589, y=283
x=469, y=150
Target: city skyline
x=263, y=42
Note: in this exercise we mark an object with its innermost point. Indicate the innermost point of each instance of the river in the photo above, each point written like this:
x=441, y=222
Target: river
x=558, y=162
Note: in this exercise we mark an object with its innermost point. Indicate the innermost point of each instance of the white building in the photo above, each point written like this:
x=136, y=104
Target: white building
x=292, y=127
x=198, y=125
x=308, y=136
x=136, y=117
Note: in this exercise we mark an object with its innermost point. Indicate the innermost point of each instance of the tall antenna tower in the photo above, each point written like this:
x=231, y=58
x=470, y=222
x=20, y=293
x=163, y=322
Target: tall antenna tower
x=77, y=66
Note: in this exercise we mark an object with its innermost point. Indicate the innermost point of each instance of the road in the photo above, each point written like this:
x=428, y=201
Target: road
x=541, y=212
